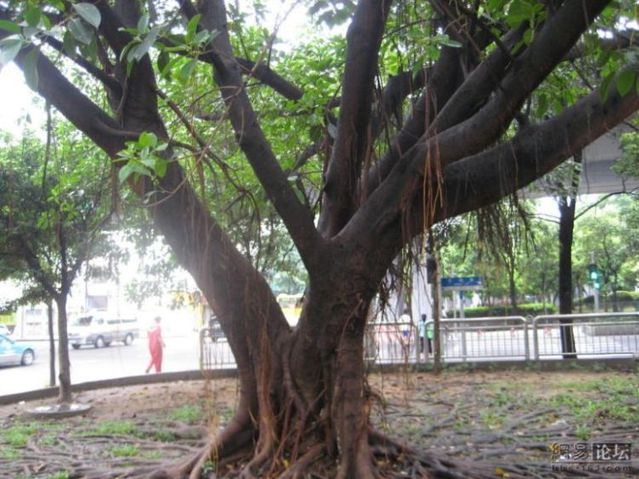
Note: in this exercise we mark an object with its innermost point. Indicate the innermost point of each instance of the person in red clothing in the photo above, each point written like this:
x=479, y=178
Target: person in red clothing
x=156, y=345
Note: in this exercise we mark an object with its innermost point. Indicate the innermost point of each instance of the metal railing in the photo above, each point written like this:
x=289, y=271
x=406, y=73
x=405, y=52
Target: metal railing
x=215, y=353
x=481, y=339
x=484, y=339
x=392, y=342
x=595, y=334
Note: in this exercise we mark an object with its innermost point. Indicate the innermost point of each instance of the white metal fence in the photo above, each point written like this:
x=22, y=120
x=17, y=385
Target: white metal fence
x=609, y=334
x=481, y=339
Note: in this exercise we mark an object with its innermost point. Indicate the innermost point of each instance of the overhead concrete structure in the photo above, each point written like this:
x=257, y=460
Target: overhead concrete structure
x=597, y=176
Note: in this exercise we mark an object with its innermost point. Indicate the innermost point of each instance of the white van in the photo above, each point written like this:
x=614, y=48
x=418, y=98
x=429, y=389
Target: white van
x=99, y=331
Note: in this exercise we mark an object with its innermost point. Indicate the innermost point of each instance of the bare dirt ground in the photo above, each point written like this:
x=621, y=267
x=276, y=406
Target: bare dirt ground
x=520, y=422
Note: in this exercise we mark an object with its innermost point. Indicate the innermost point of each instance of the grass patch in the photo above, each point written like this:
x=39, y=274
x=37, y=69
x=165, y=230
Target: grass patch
x=491, y=419
x=124, y=450
x=19, y=434
x=59, y=475
x=593, y=403
x=10, y=453
x=615, y=385
x=106, y=428
x=583, y=432
x=187, y=413
x=502, y=398
x=164, y=436
x=49, y=440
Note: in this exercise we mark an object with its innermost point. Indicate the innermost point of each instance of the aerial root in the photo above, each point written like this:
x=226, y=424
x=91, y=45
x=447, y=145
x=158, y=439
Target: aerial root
x=229, y=443
x=299, y=468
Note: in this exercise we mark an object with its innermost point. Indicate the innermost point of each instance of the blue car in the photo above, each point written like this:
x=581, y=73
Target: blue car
x=15, y=353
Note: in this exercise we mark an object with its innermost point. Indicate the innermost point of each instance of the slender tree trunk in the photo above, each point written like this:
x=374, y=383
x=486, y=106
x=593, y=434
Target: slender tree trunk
x=64, y=395
x=567, y=208
x=51, y=342
x=566, y=227
x=512, y=288
x=437, y=307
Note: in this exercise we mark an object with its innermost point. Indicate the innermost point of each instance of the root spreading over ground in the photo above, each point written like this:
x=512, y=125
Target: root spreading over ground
x=458, y=425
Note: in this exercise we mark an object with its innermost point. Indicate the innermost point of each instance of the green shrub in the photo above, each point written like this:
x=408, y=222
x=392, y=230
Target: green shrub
x=526, y=309
x=628, y=296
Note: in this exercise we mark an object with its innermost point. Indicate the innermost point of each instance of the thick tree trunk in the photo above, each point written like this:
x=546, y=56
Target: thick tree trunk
x=64, y=395
x=51, y=342
x=302, y=396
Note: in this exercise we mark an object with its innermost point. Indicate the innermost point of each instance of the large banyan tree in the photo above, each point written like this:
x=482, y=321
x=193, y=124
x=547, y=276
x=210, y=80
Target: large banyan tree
x=439, y=108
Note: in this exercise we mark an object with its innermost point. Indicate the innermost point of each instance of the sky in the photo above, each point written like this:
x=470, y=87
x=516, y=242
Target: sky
x=17, y=100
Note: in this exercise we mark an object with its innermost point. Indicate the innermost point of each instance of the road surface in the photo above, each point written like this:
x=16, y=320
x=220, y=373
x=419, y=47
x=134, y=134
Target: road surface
x=90, y=364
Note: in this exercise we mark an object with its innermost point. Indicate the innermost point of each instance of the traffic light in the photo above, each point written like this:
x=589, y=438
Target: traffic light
x=594, y=275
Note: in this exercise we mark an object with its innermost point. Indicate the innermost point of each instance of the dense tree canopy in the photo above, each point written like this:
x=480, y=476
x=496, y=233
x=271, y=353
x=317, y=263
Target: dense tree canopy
x=353, y=146
x=54, y=204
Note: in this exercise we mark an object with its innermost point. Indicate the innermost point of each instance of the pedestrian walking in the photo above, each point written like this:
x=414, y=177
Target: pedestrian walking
x=426, y=335
x=156, y=345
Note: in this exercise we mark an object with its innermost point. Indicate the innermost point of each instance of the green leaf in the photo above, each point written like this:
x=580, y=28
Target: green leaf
x=80, y=31
x=59, y=4
x=89, y=13
x=32, y=16
x=602, y=57
x=163, y=61
x=46, y=22
x=69, y=44
x=625, y=82
x=147, y=139
x=528, y=36
x=8, y=26
x=161, y=166
x=90, y=51
x=449, y=42
x=132, y=168
x=187, y=70
x=125, y=172
x=143, y=23
x=191, y=27
x=203, y=36
x=9, y=48
x=604, y=89
x=147, y=160
x=30, y=69
x=143, y=47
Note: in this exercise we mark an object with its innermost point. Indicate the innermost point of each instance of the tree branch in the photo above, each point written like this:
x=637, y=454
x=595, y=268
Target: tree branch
x=493, y=113
x=35, y=267
x=473, y=135
x=250, y=137
x=103, y=130
x=533, y=152
x=267, y=76
x=354, y=140
x=259, y=71
x=98, y=74
x=618, y=41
